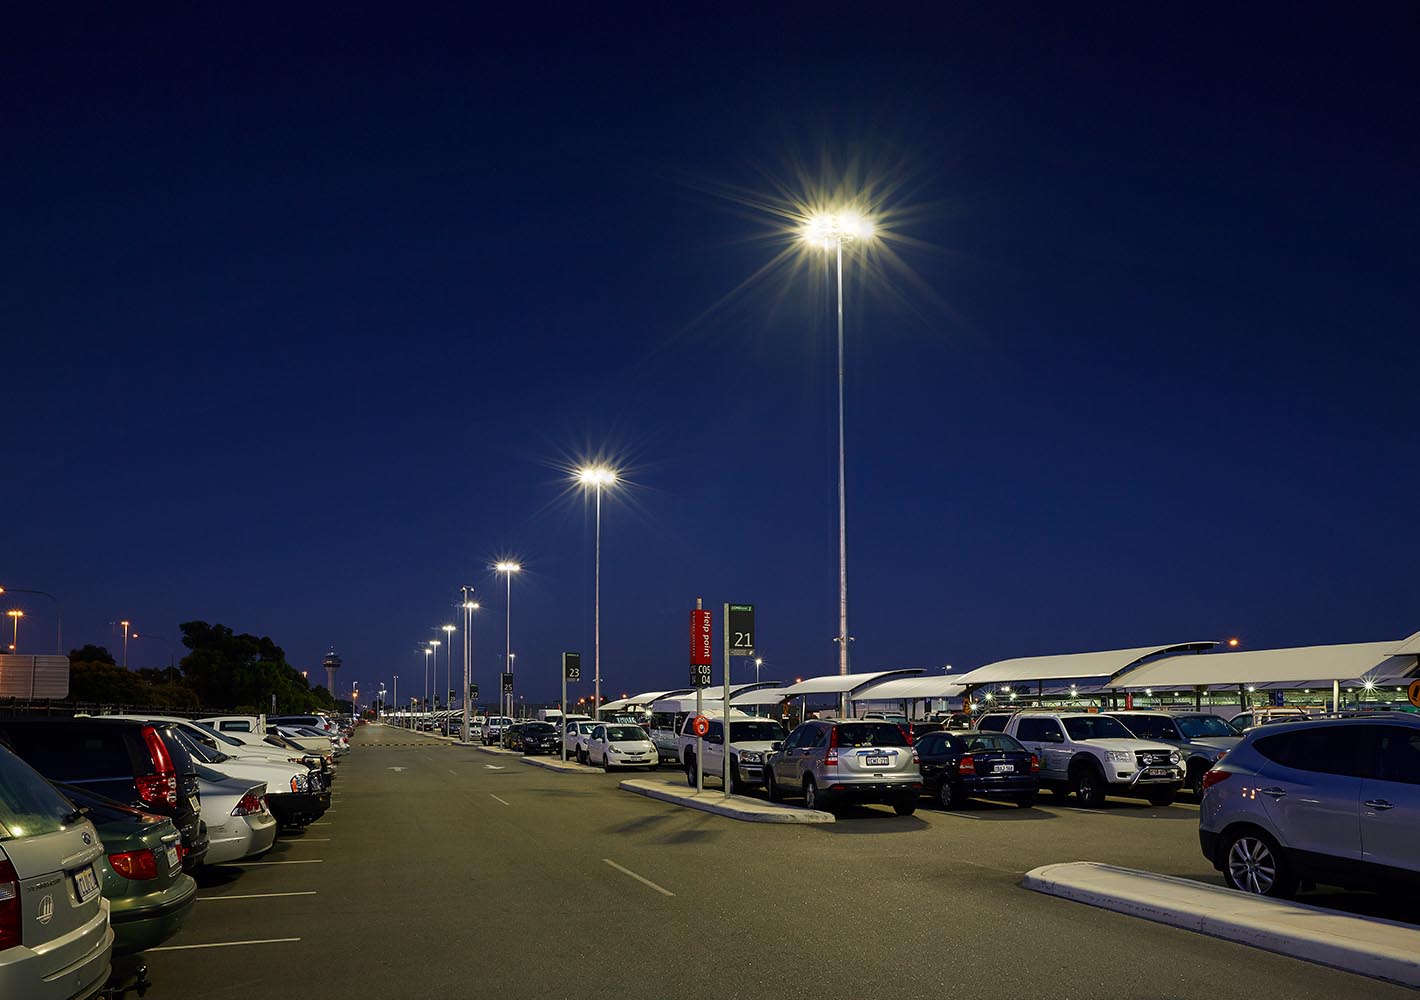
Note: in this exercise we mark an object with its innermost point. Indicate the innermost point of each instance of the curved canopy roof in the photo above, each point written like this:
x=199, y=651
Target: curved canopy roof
x=1410, y=647
x=1303, y=665
x=842, y=683
x=1068, y=666
x=899, y=688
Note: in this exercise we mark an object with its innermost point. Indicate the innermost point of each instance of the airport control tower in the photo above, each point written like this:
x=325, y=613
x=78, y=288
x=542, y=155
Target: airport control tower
x=331, y=664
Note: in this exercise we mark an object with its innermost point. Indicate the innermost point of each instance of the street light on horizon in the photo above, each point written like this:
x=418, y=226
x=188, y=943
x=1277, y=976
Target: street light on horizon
x=449, y=631
x=125, y=625
x=469, y=607
x=829, y=231
x=507, y=568
x=597, y=478
x=15, y=615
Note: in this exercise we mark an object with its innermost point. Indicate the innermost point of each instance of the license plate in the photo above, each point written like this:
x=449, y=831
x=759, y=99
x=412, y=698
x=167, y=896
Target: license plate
x=86, y=883
x=1003, y=768
x=1157, y=772
x=876, y=761
x=173, y=861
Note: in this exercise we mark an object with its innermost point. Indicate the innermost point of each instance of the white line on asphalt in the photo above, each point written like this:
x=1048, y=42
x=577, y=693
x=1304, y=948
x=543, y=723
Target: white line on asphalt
x=643, y=880
x=224, y=944
x=252, y=864
x=262, y=895
x=310, y=840
x=504, y=801
x=317, y=824
x=452, y=771
x=951, y=815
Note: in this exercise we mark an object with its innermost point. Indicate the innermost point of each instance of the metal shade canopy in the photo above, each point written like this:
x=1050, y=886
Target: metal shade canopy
x=1304, y=666
x=1070, y=666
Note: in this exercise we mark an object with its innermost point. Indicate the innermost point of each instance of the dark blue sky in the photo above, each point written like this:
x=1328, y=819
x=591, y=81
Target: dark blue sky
x=302, y=309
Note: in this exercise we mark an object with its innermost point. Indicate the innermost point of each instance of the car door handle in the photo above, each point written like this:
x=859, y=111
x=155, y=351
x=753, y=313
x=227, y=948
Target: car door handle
x=1380, y=805
x=1276, y=793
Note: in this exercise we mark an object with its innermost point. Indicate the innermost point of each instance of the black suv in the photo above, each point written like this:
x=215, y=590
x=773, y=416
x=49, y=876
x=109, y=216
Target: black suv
x=139, y=764
x=539, y=737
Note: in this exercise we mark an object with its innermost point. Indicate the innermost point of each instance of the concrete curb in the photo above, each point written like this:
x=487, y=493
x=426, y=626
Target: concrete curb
x=749, y=810
x=1381, y=949
x=555, y=764
x=498, y=751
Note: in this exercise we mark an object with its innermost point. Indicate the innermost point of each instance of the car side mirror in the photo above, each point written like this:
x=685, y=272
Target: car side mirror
x=776, y=746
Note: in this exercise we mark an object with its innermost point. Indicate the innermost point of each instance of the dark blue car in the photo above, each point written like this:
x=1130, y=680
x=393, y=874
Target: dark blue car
x=962, y=765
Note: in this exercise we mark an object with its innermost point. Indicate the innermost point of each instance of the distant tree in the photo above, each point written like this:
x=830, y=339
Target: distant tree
x=89, y=653
x=94, y=677
x=227, y=669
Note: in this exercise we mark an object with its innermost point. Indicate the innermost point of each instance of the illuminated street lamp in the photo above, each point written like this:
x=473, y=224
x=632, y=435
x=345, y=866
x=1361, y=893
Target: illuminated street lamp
x=469, y=607
x=507, y=568
x=758, y=662
x=449, y=631
x=58, y=614
x=830, y=231
x=428, y=651
x=125, y=625
x=597, y=478
x=15, y=615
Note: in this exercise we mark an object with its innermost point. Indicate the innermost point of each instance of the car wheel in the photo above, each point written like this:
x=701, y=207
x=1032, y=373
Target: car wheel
x=1195, y=783
x=1253, y=863
x=947, y=796
x=690, y=769
x=771, y=787
x=734, y=777
x=1089, y=787
x=905, y=806
x=1026, y=801
x=810, y=793
x=606, y=763
x=1161, y=799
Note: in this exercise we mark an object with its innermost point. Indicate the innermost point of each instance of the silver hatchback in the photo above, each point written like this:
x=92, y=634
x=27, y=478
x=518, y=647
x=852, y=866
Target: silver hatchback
x=833, y=761
x=55, y=940
x=1335, y=801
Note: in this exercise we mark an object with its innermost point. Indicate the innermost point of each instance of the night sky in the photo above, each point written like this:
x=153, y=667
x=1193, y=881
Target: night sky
x=305, y=310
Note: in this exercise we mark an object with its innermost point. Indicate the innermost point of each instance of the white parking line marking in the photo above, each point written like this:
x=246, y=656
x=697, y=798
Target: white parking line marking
x=639, y=878
x=262, y=895
x=308, y=840
x=225, y=944
x=504, y=801
x=253, y=864
x=947, y=815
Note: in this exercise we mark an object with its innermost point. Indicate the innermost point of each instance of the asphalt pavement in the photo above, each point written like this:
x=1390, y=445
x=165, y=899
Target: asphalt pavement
x=445, y=871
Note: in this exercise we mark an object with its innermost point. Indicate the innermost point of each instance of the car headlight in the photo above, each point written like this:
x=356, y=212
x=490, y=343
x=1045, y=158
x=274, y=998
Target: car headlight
x=751, y=757
x=1176, y=757
x=1123, y=756
x=299, y=783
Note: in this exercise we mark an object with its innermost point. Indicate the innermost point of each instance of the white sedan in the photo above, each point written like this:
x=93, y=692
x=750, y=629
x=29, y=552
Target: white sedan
x=234, y=810
x=575, y=739
x=620, y=746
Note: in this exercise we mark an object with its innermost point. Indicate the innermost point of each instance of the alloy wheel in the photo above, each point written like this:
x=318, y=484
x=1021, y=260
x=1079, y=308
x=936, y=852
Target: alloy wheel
x=1251, y=866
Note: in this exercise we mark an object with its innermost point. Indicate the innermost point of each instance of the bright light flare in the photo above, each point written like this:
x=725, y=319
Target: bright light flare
x=827, y=230
x=507, y=567
x=596, y=475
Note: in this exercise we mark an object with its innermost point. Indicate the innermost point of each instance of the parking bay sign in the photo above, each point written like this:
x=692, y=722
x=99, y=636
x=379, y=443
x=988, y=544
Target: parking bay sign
x=572, y=666
x=507, y=683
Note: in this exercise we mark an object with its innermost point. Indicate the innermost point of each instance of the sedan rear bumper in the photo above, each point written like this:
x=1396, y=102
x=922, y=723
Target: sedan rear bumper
x=874, y=791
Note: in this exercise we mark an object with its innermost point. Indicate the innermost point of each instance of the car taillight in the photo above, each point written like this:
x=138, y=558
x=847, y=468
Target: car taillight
x=9, y=906
x=135, y=864
x=967, y=765
x=160, y=788
x=1034, y=764
x=907, y=731
x=1214, y=776
x=250, y=803
x=830, y=759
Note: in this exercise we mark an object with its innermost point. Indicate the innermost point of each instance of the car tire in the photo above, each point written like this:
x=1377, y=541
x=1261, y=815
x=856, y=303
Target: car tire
x=1088, y=786
x=811, y=796
x=905, y=806
x=606, y=763
x=1195, y=783
x=1026, y=801
x=947, y=797
x=1253, y=863
x=690, y=769
x=771, y=787
x=735, y=785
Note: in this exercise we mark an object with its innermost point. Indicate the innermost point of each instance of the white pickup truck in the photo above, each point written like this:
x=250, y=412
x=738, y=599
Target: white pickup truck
x=1093, y=756
x=751, y=739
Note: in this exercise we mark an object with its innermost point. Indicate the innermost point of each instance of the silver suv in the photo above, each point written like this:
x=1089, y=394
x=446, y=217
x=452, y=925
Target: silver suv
x=55, y=941
x=1335, y=801
x=830, y=761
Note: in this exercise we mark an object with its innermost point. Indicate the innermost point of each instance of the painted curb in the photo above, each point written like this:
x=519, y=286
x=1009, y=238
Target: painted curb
x=762, y=812
x=555, y=764
x=1380, y=949
x=497, y=751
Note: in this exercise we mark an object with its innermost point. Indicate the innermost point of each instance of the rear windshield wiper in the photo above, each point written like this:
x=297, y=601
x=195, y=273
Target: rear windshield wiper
x=74, y=816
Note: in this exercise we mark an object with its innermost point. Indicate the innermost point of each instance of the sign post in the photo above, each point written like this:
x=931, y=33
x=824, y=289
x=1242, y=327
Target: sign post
x=702, y=673
x=571, y=671
x=739, y=639
x=506, y=689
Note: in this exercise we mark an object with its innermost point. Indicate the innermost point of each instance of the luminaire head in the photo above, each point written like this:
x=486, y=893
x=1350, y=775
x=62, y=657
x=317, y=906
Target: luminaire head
x=507, y=567
x=596, y=475
x=829, y=230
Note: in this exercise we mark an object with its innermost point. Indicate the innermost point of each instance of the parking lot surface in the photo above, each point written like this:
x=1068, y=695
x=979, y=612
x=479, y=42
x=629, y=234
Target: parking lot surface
x=445, y=871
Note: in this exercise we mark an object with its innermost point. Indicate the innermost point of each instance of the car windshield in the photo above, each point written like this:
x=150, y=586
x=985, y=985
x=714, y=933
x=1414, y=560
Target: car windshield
x=200, y=750
x=767, y=731
x=1197, y=727
x=1095, y=727
x=625, y=733
x=1151, y=727
x=586, y=727
x=978, y=742
x=870, y=734
x=29, y=806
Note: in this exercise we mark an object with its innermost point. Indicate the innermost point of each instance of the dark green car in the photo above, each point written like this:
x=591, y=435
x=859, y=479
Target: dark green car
x=148, y=894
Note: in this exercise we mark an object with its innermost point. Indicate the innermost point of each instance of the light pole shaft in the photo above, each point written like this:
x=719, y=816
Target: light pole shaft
x=842, y=490
x=597, y=615
x=508, y=633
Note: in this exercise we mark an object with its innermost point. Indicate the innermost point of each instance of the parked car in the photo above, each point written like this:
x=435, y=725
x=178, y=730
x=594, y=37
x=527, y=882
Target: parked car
x=1093, y=756
x=962, y=765
x=752, y=739
x=321, y=722
x=1333, y=801
x=49, y=867
x=150, y=898
x=575, y=739
x=1244, y=721
x=539, y=737
x=512, y=737
x=832, y=761
x=1201, y=737
x=992, y=722
x=611, y=746
x=137, y=763
x=493, y=728
x=238, y=823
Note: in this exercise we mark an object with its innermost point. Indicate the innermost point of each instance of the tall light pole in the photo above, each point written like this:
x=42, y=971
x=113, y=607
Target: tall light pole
x=434, y=674
x=597, y=478
x=469, y=607
x=58, y=614
x=448, y=631
x=830, y=231
x=758, y=662
x=507, y=568
x=15, y=615
x=428, y=652
x=125, y=643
